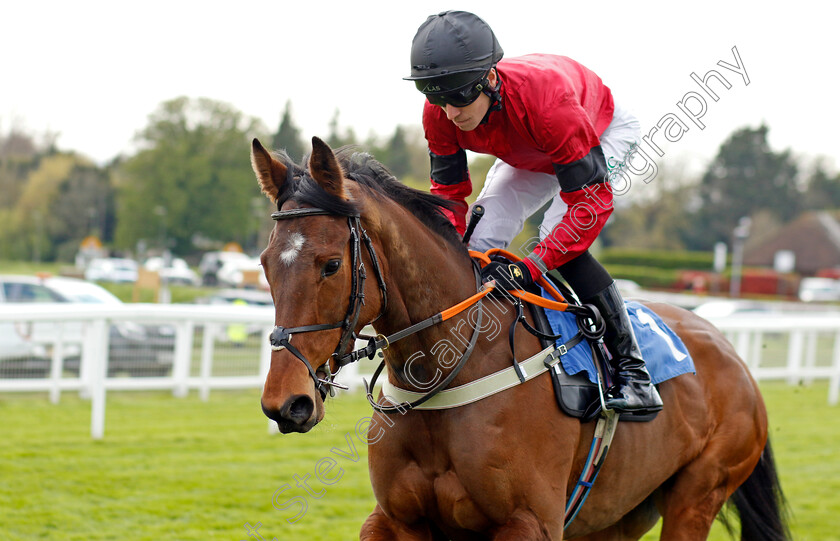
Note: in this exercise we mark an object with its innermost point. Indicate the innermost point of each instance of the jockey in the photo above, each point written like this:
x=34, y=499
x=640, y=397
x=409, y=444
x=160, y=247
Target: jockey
x=554, y=128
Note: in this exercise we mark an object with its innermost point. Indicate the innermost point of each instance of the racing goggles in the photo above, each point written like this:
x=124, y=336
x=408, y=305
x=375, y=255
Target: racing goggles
x=458, y=97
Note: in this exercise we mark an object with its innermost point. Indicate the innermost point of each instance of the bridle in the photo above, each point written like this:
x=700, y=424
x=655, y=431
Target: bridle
x=281, y=336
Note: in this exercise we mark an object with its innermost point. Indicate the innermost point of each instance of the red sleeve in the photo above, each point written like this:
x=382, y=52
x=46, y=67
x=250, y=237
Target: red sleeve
x=457, y=194
x=588, y=211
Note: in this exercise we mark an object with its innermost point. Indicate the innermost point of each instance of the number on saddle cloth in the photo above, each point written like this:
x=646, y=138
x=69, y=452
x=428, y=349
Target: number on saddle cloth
x=575, y=377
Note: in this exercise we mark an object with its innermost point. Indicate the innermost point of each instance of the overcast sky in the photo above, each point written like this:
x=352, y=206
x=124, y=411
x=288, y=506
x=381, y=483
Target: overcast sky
x=94, y=71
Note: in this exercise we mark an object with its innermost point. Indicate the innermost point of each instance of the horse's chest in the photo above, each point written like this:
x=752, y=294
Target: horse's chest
x=415, y=493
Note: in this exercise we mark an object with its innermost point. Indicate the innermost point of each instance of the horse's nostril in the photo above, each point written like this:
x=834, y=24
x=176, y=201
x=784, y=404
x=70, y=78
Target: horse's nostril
x=298, y=409
x=294, y=413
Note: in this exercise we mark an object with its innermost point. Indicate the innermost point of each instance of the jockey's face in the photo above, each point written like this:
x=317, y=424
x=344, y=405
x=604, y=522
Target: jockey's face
x=468, y=118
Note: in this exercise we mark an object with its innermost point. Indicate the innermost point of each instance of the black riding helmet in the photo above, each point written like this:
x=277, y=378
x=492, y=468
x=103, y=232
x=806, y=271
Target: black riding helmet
x=451, y=55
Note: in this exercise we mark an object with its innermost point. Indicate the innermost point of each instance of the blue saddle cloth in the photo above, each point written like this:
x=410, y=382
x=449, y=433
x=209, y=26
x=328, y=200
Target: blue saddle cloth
x=664, y=353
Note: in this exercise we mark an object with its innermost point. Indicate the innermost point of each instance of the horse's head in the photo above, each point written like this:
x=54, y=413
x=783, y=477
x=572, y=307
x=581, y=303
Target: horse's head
x=313, y=264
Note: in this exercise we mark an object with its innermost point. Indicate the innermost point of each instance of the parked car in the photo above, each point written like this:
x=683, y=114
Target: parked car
x=239, y=297
x=112, y=269
x=819, y=289
x=177, y=272
x=212, y=262
x=249, y=297
x=232, y=273
x=139, y=350
x=20, y=357
x=729, y=307
x=628, y=288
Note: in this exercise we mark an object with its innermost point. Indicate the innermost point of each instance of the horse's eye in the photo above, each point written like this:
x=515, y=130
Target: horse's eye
x=331, y=267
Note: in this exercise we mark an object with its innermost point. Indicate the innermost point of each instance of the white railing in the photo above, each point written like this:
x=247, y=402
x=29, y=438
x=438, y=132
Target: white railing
x=91, y=324
x=801, y=344
x=804, y=333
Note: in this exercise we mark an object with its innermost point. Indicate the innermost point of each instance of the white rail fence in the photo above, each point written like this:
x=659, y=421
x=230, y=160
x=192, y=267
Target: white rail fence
x=798, y=348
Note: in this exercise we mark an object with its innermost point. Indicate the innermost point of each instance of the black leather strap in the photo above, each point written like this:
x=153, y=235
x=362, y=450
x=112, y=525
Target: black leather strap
x=296, y=213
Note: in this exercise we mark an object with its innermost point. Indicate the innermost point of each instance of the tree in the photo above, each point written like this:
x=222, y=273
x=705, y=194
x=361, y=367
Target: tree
x=335, y=138
x=17, y=143
x=745, y=177
x=823, y=190
x=41, y=219
x=193, y=177
x=287, y=136
x=650, y=224
x=397, y=156
x=85, y=206
x=405, y=154
x=50, y=199
x=656, y=218
x=19, y=154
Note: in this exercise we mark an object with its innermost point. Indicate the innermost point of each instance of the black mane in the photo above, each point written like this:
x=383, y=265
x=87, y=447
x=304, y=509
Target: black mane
x=367, y=172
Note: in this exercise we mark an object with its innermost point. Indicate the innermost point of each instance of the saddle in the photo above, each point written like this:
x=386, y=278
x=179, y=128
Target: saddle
x=576, y=395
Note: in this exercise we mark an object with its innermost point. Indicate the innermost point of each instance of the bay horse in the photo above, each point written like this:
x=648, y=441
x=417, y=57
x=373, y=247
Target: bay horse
x=353, y=246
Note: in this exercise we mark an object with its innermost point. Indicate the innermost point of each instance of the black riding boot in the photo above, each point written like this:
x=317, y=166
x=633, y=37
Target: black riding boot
x=632, y=390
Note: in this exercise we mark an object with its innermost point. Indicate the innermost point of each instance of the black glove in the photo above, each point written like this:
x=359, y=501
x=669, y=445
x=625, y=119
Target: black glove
x=508, y=276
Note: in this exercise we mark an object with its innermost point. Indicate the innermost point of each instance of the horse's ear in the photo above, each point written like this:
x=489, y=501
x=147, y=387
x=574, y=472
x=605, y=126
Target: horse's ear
x=270, y=172
x=324, y=168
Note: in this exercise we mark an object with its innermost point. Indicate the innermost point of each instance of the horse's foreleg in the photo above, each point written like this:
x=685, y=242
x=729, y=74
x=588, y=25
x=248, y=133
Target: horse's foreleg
x=524, y=525
x=379, y=527
x=631, y=527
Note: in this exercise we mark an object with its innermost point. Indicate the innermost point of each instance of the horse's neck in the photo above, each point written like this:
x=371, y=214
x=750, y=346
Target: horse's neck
x=426, y=275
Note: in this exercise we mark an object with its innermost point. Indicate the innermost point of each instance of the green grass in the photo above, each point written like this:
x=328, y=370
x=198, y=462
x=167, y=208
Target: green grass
x=182, y=469
x=8, y=266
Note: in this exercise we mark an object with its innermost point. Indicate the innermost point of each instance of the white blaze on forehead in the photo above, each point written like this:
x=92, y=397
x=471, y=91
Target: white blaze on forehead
x=293, y=246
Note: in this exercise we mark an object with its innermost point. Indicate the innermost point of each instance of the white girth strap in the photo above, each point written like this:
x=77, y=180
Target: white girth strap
x=480, y=388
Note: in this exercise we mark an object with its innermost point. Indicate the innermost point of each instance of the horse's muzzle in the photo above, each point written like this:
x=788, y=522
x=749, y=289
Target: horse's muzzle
x=297, y=414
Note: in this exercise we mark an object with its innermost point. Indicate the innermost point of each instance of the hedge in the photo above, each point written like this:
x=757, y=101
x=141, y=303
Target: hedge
x=644, y=276
x=657, y=259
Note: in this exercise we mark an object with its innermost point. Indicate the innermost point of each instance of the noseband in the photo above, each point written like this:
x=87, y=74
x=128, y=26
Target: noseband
x=281, y=336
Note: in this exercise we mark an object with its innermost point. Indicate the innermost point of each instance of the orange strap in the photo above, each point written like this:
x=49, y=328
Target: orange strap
x=466, y=303
x=558, y=304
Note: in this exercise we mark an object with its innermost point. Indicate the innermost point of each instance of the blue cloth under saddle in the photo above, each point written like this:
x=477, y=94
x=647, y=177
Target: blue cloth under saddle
x=664, y=352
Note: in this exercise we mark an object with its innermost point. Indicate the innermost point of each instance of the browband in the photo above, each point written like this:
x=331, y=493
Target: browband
x=294, y=213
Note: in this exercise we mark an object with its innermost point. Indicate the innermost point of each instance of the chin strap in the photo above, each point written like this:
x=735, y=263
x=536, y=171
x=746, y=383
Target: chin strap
x=495, y=100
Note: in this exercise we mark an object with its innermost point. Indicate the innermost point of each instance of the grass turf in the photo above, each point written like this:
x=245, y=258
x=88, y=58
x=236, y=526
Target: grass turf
x=182, y=469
